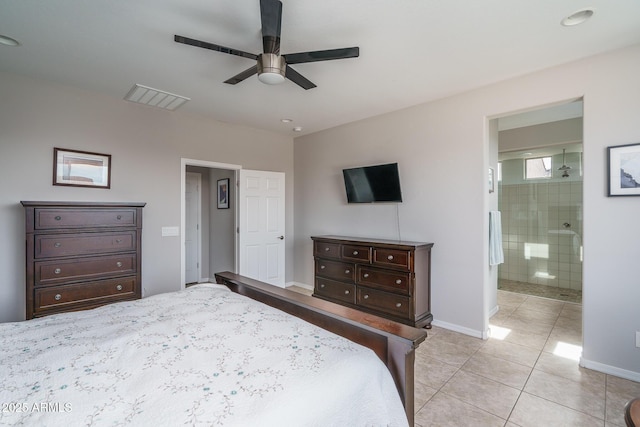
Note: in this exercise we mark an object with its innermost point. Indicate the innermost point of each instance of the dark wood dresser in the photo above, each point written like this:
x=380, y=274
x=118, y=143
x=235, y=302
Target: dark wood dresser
x=81, y=255
x=388, y=278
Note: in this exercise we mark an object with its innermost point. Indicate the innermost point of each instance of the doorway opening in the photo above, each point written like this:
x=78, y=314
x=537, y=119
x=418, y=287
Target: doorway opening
x=209, y=233
x=540, y=199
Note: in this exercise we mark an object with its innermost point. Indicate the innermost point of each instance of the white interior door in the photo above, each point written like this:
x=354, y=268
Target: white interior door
x=261, y=226
x=192, y=227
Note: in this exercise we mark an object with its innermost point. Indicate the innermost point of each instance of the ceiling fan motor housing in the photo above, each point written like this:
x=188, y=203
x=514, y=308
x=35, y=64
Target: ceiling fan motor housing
x=271, y=68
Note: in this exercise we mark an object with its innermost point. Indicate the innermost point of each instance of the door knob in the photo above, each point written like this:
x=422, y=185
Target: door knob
x=281, y=237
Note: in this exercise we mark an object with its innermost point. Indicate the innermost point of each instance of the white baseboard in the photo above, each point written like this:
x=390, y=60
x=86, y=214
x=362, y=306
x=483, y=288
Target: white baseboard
x=458, y=328
x=611, y=370
x=495, y=310
x=299, y=284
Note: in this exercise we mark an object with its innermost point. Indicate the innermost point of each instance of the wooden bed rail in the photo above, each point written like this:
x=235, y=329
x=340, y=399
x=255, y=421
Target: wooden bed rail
x=393, y=342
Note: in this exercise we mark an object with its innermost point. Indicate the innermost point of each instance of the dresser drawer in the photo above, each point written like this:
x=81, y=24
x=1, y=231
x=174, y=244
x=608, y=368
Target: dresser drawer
x=394, y=304
x=56, y=218
x=326, y=250
x=58, y=245
x=356, y=253
x=336, y=290
x=82, y=293
x=392, y=258
x=384, y=279
x=337, y=270
x=58, y=271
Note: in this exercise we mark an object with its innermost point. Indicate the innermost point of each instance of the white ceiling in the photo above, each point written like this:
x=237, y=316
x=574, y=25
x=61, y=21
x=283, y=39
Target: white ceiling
x=411, y=51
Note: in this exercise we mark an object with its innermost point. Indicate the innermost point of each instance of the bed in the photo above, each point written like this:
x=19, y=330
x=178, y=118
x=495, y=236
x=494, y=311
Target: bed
x=209, y=355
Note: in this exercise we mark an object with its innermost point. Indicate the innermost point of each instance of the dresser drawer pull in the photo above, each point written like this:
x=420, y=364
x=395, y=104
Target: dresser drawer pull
x=119, y=287
x=346, y=292
x=57, y=244
x=365, y=275
x=322, y=267
x=355, y=252
x=327, y=249
x=398, y=282
x=399, y=305
x=58, y=218
x=118, y=240
x=322, y=286
x=118, y=264
x=58, y=297
x=119, y=217
x=390, y=257
x=57, y=271
x=366, y=296
x=347, y=271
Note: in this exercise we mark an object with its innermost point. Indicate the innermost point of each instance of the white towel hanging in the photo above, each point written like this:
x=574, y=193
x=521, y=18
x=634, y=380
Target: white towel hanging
x=496, y=255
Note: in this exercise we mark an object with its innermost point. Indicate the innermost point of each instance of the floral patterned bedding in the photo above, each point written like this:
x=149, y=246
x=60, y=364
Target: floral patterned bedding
x=204, y=356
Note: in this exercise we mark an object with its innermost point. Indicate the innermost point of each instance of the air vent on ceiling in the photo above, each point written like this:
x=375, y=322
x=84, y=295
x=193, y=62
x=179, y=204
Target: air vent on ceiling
x=155, y=97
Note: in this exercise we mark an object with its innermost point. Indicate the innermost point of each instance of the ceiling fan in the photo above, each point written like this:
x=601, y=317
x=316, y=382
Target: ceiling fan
x=271, y=67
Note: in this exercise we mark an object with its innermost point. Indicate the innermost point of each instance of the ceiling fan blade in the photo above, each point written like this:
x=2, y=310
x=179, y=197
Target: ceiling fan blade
x=211, y=46
x=271, y=17
x=322, y=55
x=242, y=76
x=298, y=79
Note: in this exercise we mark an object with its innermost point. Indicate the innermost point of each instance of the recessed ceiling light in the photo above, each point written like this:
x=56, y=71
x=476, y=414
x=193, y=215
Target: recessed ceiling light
x=297, y=129
x=8, y=41
x=577, y=18
x=286, y=120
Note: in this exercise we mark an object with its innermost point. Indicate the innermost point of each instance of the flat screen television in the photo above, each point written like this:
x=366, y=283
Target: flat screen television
x=370, y=184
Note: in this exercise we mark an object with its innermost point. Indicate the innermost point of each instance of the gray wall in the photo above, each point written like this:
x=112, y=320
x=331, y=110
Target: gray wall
x=444, y=149
x=146, y=145
x=222, y=223
x=558, y=132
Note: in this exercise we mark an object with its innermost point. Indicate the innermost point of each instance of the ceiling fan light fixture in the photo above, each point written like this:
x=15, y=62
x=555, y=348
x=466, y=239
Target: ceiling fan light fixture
x=271, y=68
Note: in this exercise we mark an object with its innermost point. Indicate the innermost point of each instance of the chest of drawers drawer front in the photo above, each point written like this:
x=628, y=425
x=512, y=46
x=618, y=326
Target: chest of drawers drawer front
x=394, y=304
x=52, y=218
x=65, y=295
x=356, y=253
x=336, y=290
x=326, y=250
x=58, y=271
x=395, y=281
x=58, y=245
x=337, y=270
x=392, y=258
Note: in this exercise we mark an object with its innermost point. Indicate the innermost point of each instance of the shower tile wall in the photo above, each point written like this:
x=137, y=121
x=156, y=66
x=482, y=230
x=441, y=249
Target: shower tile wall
x=542, y=233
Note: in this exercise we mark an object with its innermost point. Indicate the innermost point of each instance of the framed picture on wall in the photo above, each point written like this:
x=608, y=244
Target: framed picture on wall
x=81, y=168
x=624, y=170
x=223, y=193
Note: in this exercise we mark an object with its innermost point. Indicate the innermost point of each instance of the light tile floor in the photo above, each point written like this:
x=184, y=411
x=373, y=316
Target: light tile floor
x=527, y=374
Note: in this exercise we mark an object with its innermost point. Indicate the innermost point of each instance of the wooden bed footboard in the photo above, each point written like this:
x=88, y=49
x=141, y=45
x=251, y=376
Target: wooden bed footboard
x=393, y=342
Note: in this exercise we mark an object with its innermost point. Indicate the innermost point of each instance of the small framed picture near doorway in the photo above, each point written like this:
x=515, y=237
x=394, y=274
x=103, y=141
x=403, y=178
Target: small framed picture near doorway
x=223, y=193
x=624, y=170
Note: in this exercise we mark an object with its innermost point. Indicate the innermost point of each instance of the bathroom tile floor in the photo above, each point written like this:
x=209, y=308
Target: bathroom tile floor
x=526, y=374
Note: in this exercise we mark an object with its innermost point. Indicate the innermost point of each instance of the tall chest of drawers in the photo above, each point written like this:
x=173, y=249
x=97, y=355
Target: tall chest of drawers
x=81, y=255
x=387, y=278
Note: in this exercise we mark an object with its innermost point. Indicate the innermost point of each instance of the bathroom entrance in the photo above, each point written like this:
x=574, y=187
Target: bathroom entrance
x=540, y=197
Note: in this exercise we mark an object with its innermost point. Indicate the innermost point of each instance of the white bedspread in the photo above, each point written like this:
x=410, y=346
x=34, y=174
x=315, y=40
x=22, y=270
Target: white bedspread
x=203, y=356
